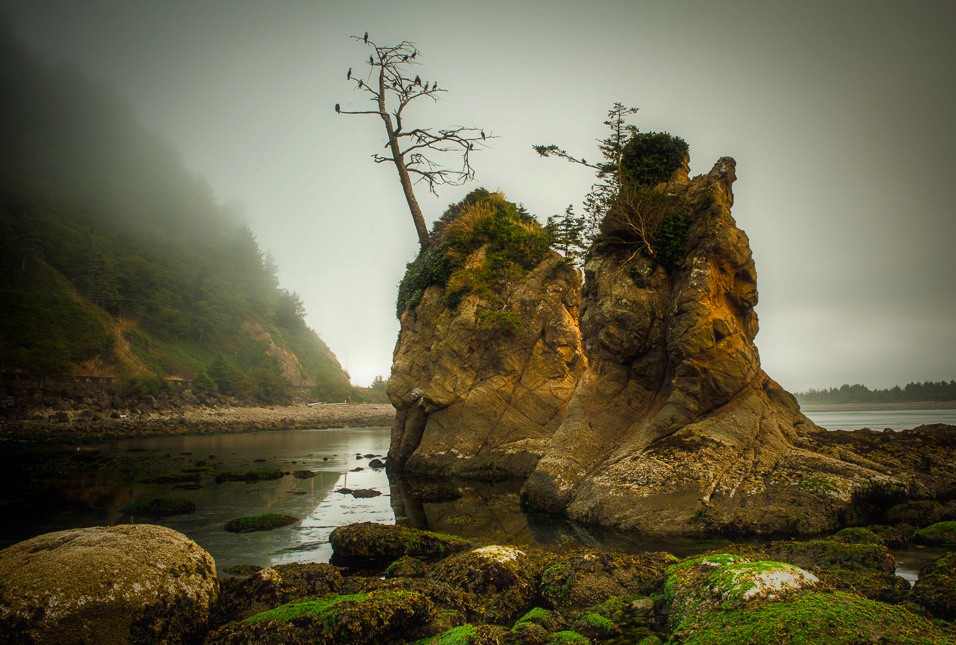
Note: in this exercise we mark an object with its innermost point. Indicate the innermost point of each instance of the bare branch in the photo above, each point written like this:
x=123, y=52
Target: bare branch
x=392, y=84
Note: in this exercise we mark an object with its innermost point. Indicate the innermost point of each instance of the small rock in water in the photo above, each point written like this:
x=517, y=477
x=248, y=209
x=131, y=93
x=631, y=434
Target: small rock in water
x=357, y=470
x=365, y=492
x=344, y=491
x=303, y=474
x=376, y=463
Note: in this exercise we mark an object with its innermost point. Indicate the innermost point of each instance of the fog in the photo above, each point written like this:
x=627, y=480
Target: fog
x=838, y=115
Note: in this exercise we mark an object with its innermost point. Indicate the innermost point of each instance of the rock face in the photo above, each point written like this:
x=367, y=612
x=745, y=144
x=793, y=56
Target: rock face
x=131, y=583
x=674, y=426
x=480, y=386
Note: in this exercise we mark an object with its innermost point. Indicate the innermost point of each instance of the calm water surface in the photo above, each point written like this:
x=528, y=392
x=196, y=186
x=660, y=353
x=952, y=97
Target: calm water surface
x=56, y=489
x=878, y=419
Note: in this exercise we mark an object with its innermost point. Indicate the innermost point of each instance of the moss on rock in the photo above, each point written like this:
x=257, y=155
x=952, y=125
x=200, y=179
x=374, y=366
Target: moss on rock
x=273, y=586
x=266, y=522
x=355, y=618
x=857, y=535
x=935, y=589
x=939, y=534
x=371, y=544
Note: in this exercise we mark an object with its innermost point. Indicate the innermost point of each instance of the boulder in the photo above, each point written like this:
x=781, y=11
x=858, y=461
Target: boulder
x=489, y=351
x=274, y=586
x=369, y=544
x=129, y=583
x=936, y=587
x=674, y=427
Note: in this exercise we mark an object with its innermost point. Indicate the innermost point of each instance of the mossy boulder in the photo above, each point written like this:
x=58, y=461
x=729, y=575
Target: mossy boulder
x=406, y=567
x=813, y=617
x=582, y=578
x=503, y=580
x=469, y=634
x=857, y=535
x=936, y=587
x=866, y=569
x=274, y=586
x=939, y=534
x=700, y=586
x=596, y=626
x=921, y=513
x=160, y=507
x=370, y=544
x=119, y=584
x=358, y=618
x=265, y=522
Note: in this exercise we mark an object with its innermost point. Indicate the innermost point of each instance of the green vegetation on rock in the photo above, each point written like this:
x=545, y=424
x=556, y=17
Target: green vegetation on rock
x=266, y=522
x=651, y=157
x=513, y=243
x=940, y=534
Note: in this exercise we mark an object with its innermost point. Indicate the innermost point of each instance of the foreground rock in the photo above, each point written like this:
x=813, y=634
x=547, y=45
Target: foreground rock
x=506, y=594
x=489, y=351
x=131, y=583
x=674, y=427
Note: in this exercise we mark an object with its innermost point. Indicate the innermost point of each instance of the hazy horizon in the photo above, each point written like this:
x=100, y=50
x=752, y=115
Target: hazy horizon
x=837, y=115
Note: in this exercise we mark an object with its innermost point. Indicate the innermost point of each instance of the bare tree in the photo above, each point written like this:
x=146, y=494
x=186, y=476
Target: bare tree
x=391, y=88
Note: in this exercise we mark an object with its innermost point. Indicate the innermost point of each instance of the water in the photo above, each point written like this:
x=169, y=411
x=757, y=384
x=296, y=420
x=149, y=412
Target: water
x=56, y=489
x=844, y=419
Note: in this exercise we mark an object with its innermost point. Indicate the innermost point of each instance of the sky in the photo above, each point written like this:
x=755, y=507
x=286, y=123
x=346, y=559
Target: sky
x=838, y=113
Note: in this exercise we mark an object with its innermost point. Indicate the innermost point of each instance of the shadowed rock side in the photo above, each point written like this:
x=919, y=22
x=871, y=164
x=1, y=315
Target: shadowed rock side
x=480, y=388
x=475, y=400
x=674, y=427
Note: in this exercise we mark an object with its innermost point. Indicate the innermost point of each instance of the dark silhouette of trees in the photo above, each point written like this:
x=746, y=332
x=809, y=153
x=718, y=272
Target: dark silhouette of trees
x=391, y=87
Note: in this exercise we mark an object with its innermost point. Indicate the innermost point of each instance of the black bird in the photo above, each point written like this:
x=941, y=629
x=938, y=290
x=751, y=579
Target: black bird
x=414, y=53
x=338, y=108
x=365, y=38
x=370, y=60
x=418, y=80
x=361, y=84
x=348, y=76
x=404, y=58
x=482, y=134
x=435, y=86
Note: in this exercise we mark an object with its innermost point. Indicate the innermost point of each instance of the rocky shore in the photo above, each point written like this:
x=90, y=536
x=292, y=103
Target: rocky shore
x=393, y=584
x=84, y=425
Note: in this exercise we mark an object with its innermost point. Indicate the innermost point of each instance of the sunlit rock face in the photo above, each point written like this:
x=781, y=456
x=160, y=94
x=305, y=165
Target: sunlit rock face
x=480, y=395
x=674, y=427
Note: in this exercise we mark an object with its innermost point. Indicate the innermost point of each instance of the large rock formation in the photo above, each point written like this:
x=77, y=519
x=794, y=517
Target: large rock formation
x=119, y=584
x=674, y=427
x=489, y=355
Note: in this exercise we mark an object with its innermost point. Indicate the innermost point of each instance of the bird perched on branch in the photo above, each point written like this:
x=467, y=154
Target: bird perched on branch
x=348, y=75
x=338, y=108
x=371, y=61
x=365, y=38
x=418, y=80
x=482, y=134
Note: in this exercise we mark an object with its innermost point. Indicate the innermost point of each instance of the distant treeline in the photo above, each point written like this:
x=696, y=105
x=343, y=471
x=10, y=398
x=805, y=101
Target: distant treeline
x=909, y=393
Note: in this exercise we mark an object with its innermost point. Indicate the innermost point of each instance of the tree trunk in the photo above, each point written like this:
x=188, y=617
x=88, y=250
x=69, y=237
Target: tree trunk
x=417, y=217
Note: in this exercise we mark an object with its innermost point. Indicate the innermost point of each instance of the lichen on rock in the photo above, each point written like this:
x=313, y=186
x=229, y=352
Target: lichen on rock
x=489, y=351
x=129, y=583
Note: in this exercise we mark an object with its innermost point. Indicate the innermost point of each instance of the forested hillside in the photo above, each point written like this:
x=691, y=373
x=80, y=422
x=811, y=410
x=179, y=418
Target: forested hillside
x=909, y=393
x=115, y=260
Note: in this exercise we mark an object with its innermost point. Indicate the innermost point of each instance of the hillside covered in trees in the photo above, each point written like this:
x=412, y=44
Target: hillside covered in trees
x=115, y=260
x=909, y=393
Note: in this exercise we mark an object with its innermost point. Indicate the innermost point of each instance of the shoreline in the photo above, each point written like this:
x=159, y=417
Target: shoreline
x=878, y=407
x=196, y=420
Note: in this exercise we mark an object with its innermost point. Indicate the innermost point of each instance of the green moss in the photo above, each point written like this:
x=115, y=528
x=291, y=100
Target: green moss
x=595, y=626
x=322, y=609
x=513, y=242
x=499, y=321
x=536, y=615
x=671, y=239
x=817, y=485
x=160, y=507
x=267, y=522
x=857, y=535
x=934, y=589
x=941, y=534
x=368, y=543
x=814, y=618
x=566, y=637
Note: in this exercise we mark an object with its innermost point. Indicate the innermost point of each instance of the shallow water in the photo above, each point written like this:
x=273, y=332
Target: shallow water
x=69, y=488
x=879, y=419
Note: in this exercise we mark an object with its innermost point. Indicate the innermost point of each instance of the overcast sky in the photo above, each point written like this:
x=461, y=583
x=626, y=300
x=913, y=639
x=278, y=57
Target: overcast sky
x=839, y=115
